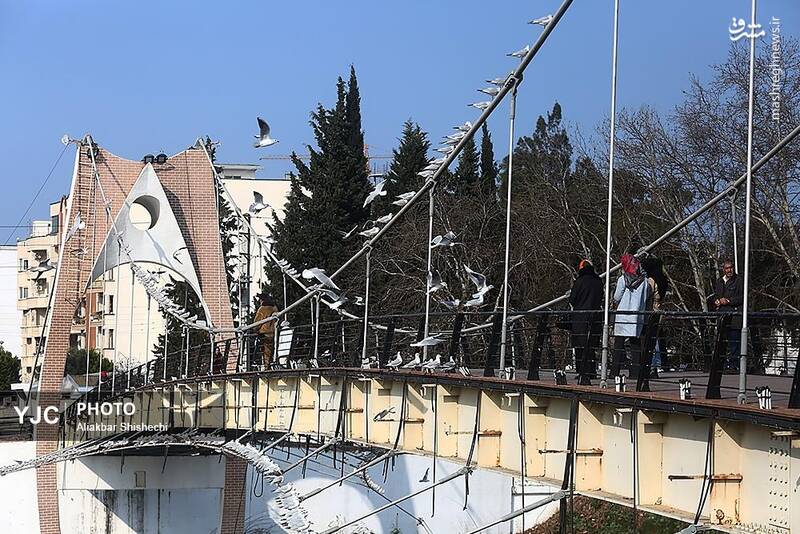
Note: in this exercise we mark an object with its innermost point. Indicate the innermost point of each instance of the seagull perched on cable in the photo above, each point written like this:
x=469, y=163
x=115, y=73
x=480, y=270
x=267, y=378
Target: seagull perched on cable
x=446, y=150
x=370, y=232
x=385, y=219
x=467, y=126
x=426, y=174
x=480, y=105
x=375, y=193
x=458, y=136
x=404, y=198
x=319, y=274
x=429, y=341
x=491, y=91
x=258, y=203
x=497, y=81
x=542, y=21
x=521, y=52
x=413, y=364
x=396, y=362
x=435, y=282
x=263, y=135
x=446, y=240
x=78, y=224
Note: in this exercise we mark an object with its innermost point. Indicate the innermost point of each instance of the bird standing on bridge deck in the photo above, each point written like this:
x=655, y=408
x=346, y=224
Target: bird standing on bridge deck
x=375, y=193
x=413, y=364
x=319, y=274
x=396, y=362
x=258, y=203
x=432, y=363
x=447, y=366
x=263, y=135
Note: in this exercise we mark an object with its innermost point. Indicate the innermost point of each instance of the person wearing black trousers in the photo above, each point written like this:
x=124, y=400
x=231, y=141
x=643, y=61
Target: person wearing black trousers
x=586, y=296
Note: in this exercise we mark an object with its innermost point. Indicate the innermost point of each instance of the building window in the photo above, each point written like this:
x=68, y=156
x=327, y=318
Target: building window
x=29, y=341
x=110, y=339
x=23, y=264
x=110, y=304
x=54, y=224
x=23, y=292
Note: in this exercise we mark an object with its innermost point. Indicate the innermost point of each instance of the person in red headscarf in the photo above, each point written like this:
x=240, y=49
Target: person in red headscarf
x=631, y=296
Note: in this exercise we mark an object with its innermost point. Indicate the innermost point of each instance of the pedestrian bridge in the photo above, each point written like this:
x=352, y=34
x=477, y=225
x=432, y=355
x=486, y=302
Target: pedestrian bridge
x=703, y=461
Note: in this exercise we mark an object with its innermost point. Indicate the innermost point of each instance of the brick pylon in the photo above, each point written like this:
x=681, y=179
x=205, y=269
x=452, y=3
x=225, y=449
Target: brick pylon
x=188, y=181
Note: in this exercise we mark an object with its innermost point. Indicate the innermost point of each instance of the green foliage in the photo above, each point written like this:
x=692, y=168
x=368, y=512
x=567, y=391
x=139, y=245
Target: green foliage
x=488, y=166
x=76, y=362
x=466, y=177
x=9, y=369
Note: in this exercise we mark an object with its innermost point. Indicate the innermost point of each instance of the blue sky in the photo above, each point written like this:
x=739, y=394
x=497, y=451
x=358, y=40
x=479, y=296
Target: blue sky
x=152, y=76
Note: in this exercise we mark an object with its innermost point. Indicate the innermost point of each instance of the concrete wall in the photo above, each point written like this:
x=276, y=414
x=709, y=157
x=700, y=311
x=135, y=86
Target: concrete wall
x=10, y=316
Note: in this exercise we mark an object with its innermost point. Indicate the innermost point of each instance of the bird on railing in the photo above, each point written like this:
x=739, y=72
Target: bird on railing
x=413, y=364
x=396, y=362
x=447, y=366
x=432, y=363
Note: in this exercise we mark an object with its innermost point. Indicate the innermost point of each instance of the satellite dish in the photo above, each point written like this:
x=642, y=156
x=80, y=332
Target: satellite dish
x=65, y=139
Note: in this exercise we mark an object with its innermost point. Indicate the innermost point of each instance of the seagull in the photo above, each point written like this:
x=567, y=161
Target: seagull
x=426, y=174
x=450, y=304
x=179, y=252
x=381, y=415
x=479, y=105
x=404, y=198
x=371, y=232
x=435, y=282
x=473, y=302
x=413, y=364
x=429, y=341
x=359, y=301
x=348, y=234
x=320, y=275
x=78, y=224
x=446, y=240
x=467, y=126
x=396, y=362
x=375, y=193
x=521, y=52
x=42, y=268
x=447, y=366
x=383, y=220
x=480, y=282
x=338, y=303
x=542, y=21
x=491, y=91
x=446, y=150
x=424, y=478
x=458, y=136
x=497, y=81
x=258, y=203
x=432, y=363
x=263, y=135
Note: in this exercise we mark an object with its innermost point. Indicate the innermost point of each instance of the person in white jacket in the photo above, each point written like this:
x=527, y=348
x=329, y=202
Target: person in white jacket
x=631, y=297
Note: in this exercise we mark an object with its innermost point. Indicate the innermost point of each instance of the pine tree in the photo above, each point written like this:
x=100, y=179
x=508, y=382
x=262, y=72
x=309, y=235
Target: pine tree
x=409, y=158
x=488, y=164
x=466, y=178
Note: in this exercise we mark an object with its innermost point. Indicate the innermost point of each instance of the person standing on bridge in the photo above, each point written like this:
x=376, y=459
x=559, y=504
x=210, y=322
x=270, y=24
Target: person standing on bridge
x=631, y=297
x=266, y=331
x=586, y=296
x=728, y=297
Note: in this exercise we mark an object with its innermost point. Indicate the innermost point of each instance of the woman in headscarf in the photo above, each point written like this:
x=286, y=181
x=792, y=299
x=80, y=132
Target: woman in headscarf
x=631, y=296
x=586, y=295
x=659, y=285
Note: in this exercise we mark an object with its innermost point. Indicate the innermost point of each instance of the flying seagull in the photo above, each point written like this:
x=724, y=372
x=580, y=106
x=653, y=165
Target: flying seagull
x=435, y=282
x=446, y=240
x=542, y=21
x=480, y=282
x=319, y=274
x=258, y=203
x=521, y=52
x=42, y=268
x=176, y=255
x=381, y=415
x=450, y=304
x=78, y=224
x=424, y=478
x=263, y=135
x=349, y=234
x=474, y=302
x=429, y=341
x=375, y=193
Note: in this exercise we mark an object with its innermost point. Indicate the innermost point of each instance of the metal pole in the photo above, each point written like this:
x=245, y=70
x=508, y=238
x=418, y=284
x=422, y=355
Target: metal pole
x=147, y=331
x=607, y=296
x=316, y=329
x=742, y=396
x=366, y=308
x=364, y=467
x=503, y=332
x=116, y=323
x=130, y=340
x=166, y=343
x=427, y=285
x=735, y=236
x=557, y=496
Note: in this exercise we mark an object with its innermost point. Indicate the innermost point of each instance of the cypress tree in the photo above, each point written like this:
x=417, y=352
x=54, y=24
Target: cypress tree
x=409, y=158
x=488, y=165
x=466, y=178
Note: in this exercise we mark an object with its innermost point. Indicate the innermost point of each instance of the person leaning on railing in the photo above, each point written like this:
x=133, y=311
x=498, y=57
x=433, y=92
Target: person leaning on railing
x=631, y=296
x=266, y=332
x=586, y=295
x=728, y=297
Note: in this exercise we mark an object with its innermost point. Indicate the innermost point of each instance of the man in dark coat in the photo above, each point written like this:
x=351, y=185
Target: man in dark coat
x=728, y=297
x=586, y=297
